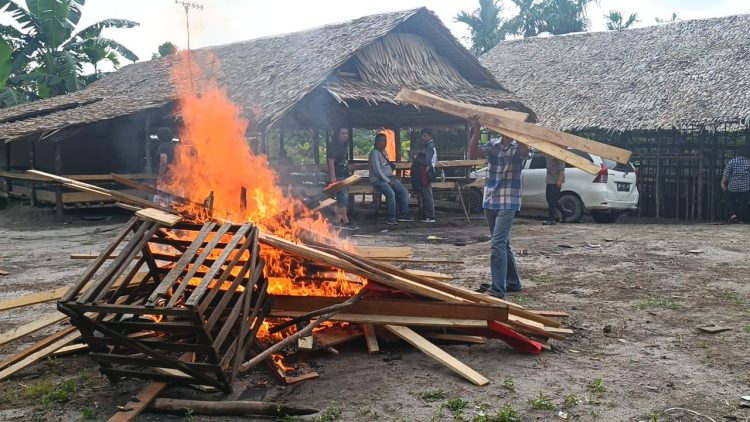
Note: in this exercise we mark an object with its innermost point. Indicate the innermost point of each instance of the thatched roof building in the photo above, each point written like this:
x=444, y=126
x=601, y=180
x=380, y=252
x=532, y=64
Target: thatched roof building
x=347, y=72
x=680, y=75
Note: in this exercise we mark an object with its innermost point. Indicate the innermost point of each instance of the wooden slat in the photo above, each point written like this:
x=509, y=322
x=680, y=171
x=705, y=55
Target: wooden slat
x=390, y=319
x=341, y=184
x=36, y=325
x=158, y=216
x=552, y=150
x=33, y=298
x=438, y=354
x=385, y=251
x=326, y=203
x=460, y=338
x=37, y=352
x=371, y=338
x=430, y=274
x=143, y=400
x=496, y=120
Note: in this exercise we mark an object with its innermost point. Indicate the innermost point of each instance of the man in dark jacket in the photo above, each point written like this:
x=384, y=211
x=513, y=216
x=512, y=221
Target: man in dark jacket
x=426, y=161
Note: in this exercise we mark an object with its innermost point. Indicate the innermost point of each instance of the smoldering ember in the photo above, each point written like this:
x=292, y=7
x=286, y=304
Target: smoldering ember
x=317, y=225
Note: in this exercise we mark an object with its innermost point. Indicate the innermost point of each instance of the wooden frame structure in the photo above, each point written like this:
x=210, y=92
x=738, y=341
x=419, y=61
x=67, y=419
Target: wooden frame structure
x=203, y=301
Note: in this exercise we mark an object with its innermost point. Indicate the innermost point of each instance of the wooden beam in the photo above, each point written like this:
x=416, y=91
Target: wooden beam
x=391, y=319
x=158, y=216
x=227, y=408
x=144, y=398
x=341, y=184
x=385, y=251
x=371, y=338
x=430, y=274
x=38, y=351
x=326, y=203
x=32, y=299
x=33, y=326
x=460, y=338
x=496, y=120
x=438, y=354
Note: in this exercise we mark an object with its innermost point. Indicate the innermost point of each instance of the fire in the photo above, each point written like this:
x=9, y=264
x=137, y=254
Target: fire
x=214, y=166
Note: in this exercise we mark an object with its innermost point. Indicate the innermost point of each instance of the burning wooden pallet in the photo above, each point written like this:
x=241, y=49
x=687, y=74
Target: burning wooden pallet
x=200, y=303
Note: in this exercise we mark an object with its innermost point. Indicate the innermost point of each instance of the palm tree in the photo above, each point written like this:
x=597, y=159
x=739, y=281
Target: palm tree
x=674, y=18
x=528, y=21
x=485, y=24
x=564, y=16
x=55, y=53
x=615, y=20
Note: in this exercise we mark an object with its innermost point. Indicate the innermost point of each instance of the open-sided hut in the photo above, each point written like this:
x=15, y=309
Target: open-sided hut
x=677, y=95
x=337, y=75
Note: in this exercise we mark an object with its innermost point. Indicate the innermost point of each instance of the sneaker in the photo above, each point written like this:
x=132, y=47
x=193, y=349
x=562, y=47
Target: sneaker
x=483, y=287
x=391, y=222
x=548, y=222
x=428, y=220
x=406, y=219
x=494, y=294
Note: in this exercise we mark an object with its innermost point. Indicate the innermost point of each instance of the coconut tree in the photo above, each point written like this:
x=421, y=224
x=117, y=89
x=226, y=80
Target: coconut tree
x=56, y=53
x=615, y=20
x=485, y=24
x=564, y=16
x=529, y=19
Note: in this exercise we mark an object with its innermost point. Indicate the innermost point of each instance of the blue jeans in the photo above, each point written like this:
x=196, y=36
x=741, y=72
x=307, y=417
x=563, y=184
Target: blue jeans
x=392, y=194
x=502, y=262
x=342, y=196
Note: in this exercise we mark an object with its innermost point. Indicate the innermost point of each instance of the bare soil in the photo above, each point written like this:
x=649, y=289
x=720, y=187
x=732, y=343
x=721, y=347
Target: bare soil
x=636, y=292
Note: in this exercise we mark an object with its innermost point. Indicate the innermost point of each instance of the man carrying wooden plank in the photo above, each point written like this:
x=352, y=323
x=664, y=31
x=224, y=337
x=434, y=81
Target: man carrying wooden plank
x=502, y=200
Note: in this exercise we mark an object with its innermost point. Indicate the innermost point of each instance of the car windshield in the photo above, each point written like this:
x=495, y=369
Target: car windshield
x=613, y=165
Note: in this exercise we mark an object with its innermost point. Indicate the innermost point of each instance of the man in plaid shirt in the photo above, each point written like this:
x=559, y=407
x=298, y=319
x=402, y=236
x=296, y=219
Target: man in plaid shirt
x=736, y=182
x=502, y=200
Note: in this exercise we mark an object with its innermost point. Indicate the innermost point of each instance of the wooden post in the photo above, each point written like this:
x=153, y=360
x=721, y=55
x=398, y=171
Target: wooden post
x=657, y=187
x=316, y=147
x=351, y=140
x=8, y=161
x=32, y=166
x=397, y=141
x=147, y=142
x=59, y=188
x=282, y=148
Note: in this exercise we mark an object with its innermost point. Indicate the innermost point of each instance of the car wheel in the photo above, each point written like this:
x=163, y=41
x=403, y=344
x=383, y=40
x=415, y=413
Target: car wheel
x=473, y=200
x=606, y=218
x=572, y=206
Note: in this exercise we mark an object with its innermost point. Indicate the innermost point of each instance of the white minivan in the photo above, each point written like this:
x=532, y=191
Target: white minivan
x=605, y=196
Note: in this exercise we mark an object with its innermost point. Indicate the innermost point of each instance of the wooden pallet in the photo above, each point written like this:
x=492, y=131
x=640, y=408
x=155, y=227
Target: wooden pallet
x=204, y=313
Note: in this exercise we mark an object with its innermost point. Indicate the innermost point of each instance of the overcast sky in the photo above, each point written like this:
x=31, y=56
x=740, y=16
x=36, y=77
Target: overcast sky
x=225, y=21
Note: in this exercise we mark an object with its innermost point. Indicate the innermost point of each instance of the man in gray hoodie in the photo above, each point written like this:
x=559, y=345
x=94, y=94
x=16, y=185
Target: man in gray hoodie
x=382, y=178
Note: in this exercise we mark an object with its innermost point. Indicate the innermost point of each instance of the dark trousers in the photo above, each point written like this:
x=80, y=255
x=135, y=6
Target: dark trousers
x=738, y=205
x=553, y=196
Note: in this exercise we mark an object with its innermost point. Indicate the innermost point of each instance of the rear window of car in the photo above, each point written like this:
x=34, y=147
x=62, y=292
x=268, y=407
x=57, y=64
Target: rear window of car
x=613, y=165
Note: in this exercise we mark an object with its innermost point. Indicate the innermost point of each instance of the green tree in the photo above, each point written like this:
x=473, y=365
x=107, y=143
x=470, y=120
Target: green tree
x=166, y=49
x=564, y=16
x=674, y=18
x=615, y=20
x=53, y=52
x=529, y=19
x=486, y=26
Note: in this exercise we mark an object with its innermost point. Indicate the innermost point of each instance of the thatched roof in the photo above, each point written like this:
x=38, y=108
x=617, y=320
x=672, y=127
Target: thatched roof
x=673, y=76
x=273, y=74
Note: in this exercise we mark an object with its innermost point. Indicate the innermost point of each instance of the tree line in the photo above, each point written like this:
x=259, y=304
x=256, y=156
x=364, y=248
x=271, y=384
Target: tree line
x=488, y=26
x=43, y=54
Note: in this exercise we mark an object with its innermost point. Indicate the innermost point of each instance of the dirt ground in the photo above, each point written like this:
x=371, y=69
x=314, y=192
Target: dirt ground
x=636, y=292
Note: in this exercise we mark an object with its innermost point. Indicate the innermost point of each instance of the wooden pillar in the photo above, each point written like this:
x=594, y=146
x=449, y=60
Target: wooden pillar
x=8, y=161
x=657, y=187
x=316, y=147
x=264, y=143
x=397, y=137
x=32, y=166
x=58, y=189
x=147, y=142
x=351, y=141
x=282, y=148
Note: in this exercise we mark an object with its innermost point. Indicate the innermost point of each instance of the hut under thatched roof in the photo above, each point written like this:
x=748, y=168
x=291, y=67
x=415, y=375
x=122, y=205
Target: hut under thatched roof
x=676, y=94
x=349, y=68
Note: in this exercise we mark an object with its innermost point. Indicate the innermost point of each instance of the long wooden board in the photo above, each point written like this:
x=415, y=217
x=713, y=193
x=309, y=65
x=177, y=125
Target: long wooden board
x=371, y=339
x=38, y=351
x=391, y=319
x=143, y=400
x=496, y=120
x=33, y=298
x=438, y=354
x=158, y=216
x=33, y=326
x=385, y=251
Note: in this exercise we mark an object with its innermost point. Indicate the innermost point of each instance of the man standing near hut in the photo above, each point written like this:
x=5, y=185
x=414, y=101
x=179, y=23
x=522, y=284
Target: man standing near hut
x=165, y=155
x=382, y=178
x=736, y=182
x=338, y=169
x=502, y=200
x=426, y=161
x=555, y=179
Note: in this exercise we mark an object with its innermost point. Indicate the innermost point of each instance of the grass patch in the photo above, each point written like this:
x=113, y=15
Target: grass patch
x=329, y=414
x=746, y=328
x=656, y=302
x=88, y=413
x=506, y=414
x=734, y=297
x=597, y=387
x=541, y=402
x=47, y=393
x=542, y=278
x=509, y=384
x=571, y=400
x=455, y=405
x=653, y=416
x=433, y=395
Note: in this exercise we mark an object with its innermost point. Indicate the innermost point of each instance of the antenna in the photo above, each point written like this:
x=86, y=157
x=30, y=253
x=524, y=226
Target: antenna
x=188, y=6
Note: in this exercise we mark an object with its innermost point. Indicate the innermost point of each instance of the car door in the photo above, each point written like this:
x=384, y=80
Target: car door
x=534, y=187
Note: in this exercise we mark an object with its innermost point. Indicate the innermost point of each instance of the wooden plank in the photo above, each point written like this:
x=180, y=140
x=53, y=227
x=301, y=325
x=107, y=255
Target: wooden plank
x=33, y=326
x=341, y=184
x=158, y=216
x=37, y=352
x=390, y=319
x=430, y=274
x=32, y=299
x=406, y=165
x=550, y=149
x=438, y=354
x=460, y=338
x=385, y=251
x=78, y=177
x=326, y=203
x=394, y=307
x=371, y=339
x=495, y=120
x=421, y=261
x=144, y=398
x=4, y=272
